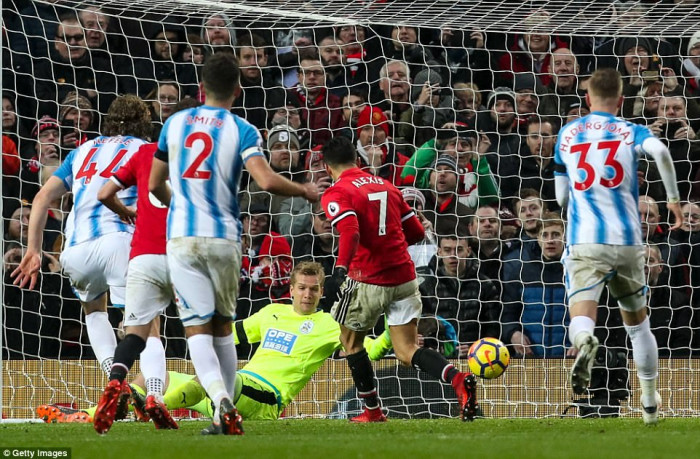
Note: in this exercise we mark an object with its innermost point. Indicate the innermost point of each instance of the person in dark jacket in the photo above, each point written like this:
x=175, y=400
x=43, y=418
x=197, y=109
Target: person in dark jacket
x=535, y=317
x=456, y=292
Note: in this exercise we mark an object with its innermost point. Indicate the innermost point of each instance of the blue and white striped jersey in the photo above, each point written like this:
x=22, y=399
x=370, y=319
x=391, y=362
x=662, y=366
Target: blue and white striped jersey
x=207, y=148
x=600, y=153
x=84, y=171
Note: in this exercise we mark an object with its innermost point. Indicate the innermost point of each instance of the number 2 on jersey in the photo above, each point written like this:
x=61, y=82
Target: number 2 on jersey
x=610, y=161
x=381, y=197
x=193, y=172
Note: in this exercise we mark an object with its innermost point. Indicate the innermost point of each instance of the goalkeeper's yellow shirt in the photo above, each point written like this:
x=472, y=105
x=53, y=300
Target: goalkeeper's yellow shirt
x=292, y=347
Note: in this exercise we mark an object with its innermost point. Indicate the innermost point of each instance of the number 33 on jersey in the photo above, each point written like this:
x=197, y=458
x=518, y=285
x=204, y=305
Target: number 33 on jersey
x=600, y=153
x=207, y=148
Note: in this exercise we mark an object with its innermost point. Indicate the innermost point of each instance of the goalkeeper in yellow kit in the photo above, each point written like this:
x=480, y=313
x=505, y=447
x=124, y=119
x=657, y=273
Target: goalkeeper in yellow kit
x=294, y=340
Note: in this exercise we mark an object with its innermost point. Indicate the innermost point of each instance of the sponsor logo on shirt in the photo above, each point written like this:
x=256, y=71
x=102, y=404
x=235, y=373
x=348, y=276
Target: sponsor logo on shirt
x=278, y=340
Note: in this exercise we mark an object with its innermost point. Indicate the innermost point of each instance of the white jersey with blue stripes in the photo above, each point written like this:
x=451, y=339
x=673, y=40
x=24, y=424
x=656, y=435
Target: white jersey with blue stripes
x=207, y=148
x=84, y=171
x=600, y=153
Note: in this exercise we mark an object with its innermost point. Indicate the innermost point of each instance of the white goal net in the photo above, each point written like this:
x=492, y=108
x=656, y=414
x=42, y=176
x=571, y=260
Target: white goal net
x=487, y=83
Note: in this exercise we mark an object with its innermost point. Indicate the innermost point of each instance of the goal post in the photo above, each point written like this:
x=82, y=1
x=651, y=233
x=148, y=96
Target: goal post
x=459, y=60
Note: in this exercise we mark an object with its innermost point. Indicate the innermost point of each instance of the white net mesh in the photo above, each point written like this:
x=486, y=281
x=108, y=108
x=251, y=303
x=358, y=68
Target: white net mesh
x=514, y=71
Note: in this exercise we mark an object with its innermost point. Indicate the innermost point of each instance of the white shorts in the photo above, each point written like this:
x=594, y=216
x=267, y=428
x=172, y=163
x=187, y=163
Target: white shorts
x=360, y=305
x=148, y=289
x=205, y=272
x=98, y=265
x=588, y=267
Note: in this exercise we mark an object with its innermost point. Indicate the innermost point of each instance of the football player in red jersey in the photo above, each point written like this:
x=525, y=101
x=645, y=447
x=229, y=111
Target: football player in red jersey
x=148, y=293
x=377, y=277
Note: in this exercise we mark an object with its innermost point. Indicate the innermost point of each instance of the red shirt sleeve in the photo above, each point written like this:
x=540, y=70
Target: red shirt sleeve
x=10, y=158
x=349, y=231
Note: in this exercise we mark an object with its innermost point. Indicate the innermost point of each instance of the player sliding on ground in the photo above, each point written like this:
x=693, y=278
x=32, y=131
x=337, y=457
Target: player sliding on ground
x=377, y=277
x=596, y=175
x=202, y=151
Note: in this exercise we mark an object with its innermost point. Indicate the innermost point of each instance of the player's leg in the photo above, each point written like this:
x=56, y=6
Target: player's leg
x=402, y=318
x=357, y=310
x=629, y=288
x=587, y=268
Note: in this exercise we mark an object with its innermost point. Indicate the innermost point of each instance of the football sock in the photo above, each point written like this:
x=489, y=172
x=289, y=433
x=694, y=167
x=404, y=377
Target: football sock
x=102, y=339
x=127, y=351
x=153, y=366
x=578, y=325
x=228, y=360
x=363, y=375
x=433, y=363
x=206, y=366
x=184, y=395
x=646, y=358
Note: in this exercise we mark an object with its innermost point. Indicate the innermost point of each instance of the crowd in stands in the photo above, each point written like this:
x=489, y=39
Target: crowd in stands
x=464, y=122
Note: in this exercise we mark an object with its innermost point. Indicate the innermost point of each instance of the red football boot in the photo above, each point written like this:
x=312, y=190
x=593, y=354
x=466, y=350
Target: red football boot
x=107, y=407
x=368, y=415
x=159, y=414
x=465, y=386
x=231, y=421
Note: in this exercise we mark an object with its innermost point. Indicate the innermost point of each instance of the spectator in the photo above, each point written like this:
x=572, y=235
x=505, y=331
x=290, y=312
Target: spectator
x=537, y=168
x=573, y=109
x=46, y=152
x=320, y=245
x=219, y=33
x=487, y=245
x=529, y=209
x=395, y=101
x=257, y=94
x=295, y=213
x=95, y=23
x=671, y=317
x=463, y=57
x=320, y=110
x=534, y=297
x=77, y=120
x=72, y=67
x=528, y=93
x=442, y=207
x=467, y=103
x=376, y=154
x=477, y=185
x=405, y=46
x=353, y=103
x=564, y=86
x=195, y=51
x=674, y=273
x=422, y=252
x=675, y=129
x=531, y=52
x=11, y=127
x=504, y=151
x=457, y=293
x=691, y=67
x=337, y=80
x=161, y=102
x=432, y=105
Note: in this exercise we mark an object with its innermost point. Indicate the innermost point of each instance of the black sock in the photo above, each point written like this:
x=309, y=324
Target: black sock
x=433, y=363
x=363, y=375
x=124, y=356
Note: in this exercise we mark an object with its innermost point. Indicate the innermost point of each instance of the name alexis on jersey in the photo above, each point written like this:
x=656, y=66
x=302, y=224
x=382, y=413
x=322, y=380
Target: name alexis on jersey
x=205, y=120
x=619, y=129
x=358, y=182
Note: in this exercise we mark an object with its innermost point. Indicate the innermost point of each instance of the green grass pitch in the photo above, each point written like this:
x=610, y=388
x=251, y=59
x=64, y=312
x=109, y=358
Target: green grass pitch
x=329, y=439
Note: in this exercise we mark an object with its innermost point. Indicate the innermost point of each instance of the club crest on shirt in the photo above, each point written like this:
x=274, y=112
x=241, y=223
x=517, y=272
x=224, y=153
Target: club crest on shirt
x=333, y=208
x=306, y=327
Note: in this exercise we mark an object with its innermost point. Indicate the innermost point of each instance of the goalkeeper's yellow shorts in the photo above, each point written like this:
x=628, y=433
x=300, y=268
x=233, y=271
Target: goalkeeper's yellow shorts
x=254, y=400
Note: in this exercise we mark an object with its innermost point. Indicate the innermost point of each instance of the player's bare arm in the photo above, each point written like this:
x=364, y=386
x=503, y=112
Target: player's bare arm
x=108, y=196
x=272, y=182
x=28, y=269
x=157, y=181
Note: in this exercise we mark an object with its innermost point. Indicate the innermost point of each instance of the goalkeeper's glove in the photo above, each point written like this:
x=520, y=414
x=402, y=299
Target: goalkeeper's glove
x=339, y=275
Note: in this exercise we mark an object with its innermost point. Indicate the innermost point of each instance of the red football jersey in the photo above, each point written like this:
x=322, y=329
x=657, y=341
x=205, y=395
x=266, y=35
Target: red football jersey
x=382, y=257
x=149, y=236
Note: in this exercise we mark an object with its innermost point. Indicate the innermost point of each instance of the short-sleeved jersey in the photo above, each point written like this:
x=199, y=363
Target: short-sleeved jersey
x=84, y=171
x=207, y=148
x=149, y=235
x=382, y=256
x=600, y=153
x=292, y=346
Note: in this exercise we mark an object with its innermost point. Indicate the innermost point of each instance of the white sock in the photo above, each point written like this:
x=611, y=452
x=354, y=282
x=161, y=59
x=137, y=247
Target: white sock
x=578, y=325
x=206, y=365
x=153, y=366
x=646, y=357
x=228, y=360
x=102, y=338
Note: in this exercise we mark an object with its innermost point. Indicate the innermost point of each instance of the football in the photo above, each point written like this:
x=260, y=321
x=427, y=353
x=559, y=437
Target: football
x=488, y=358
